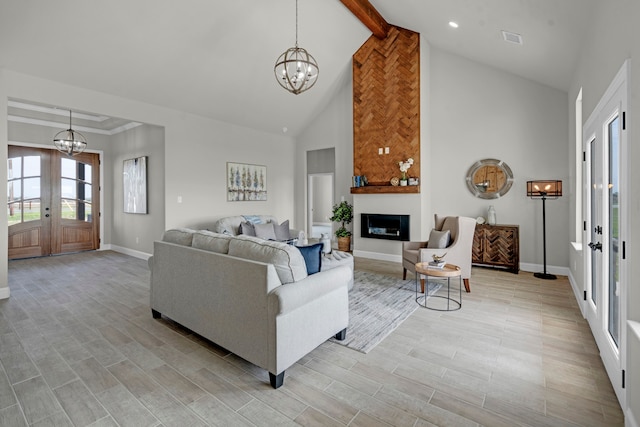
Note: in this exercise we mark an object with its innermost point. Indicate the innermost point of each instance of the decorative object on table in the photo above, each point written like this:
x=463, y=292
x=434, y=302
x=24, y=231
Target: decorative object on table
x=134, y=182
x=326, y=241
x=438, y=258
x=404, y=167
x=480, y=220
x=246, y=182
x=544, y=189
x=437, y=264
x=395, y=181
x=489, y=178
x=491, y=216
x=302, y=239
x=343, y=213
x=69, y=141
x=414, y=181
x=296, y=70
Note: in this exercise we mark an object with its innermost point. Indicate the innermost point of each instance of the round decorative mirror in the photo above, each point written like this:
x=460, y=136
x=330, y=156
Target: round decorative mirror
x=489, y=178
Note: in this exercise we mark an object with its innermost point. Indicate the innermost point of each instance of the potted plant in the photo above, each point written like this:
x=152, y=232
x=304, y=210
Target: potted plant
x=343, y=213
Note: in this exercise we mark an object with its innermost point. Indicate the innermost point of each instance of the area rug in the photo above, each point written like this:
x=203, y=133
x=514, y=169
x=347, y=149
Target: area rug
x=378, y=304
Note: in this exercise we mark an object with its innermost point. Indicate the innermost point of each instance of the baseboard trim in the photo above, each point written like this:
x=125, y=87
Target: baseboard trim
x=4, y=293
x=630, y=420
x=126, y=251
x=578, y=293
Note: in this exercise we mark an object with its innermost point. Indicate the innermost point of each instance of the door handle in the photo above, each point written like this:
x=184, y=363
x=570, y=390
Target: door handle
x=595, y=246
x=46, y=215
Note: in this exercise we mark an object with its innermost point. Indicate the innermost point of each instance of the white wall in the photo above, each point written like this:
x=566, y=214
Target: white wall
x=613, y=38
x=481, y=112
x=196, y=153
x=138, y=231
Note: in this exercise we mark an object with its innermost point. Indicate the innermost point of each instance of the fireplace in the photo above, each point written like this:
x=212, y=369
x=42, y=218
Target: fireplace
x=389, y=227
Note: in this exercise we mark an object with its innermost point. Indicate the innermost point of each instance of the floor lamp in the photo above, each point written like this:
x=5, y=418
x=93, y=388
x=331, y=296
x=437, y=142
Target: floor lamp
x=544, y=189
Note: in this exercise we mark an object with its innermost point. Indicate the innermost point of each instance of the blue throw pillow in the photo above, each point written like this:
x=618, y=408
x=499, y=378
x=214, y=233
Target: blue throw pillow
x=312, y=257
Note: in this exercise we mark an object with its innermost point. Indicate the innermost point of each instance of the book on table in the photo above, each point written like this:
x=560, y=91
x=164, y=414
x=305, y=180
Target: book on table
x=437, y=264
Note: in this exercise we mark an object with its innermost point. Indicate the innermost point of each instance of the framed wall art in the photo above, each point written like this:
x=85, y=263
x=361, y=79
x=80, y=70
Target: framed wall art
x=134, y=180
x=246, y=182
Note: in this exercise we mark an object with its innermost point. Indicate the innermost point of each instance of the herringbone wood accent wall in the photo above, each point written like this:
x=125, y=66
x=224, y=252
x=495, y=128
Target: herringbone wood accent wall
x=386, y=105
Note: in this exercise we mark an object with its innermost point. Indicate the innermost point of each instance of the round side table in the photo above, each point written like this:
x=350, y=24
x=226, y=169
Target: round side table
x=448, y=271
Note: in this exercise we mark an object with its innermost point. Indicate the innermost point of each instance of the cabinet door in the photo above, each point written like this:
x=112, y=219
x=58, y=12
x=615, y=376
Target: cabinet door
x=499, y=249
x=477, y=251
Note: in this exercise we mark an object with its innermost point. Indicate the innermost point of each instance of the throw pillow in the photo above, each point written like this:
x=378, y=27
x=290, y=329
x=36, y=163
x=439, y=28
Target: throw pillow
x=253, y=219
x=247, y=228
x=312, y=257
x=439, y=239
x=265, y=231
x=282, y=231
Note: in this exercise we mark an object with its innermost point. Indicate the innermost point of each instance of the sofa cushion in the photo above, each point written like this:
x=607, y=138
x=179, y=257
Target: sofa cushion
x=265, y=231
x=210, y=241
x=247, y=228
x=312, y=257
x=179, y=236
x=287, y=259
x=439, y=239
x=282, y=230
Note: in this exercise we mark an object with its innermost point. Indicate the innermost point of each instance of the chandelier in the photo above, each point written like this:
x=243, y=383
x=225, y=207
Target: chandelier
x=69, y=141
x=296, y=70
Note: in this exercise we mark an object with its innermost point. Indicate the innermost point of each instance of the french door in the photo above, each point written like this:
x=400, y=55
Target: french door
x=53, y=202
x=606, y=229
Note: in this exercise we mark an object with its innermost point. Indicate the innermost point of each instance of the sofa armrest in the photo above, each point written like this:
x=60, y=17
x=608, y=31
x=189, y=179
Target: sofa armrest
x=288, y=297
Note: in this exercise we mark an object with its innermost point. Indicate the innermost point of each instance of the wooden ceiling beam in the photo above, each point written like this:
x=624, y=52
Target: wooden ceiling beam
x=369, y=16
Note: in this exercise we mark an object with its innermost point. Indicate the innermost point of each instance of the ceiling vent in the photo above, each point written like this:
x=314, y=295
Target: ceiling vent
x=512, y=37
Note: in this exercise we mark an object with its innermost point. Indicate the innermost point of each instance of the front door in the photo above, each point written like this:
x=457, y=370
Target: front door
x=53, y=201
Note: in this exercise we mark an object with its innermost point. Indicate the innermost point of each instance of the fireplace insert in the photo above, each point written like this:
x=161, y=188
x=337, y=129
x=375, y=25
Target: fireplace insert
x=381, y=226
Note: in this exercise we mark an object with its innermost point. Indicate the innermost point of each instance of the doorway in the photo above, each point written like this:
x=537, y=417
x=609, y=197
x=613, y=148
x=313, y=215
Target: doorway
x=321, y=168
x=53, y=202
x=605, y=198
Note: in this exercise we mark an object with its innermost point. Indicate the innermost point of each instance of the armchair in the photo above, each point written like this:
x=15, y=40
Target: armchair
x=458, y=251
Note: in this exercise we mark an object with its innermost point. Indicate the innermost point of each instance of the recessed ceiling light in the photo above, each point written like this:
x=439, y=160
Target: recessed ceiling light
x=453, y=24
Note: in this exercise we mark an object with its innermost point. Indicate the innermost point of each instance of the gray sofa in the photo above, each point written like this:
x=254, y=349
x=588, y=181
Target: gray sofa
x=252, y=297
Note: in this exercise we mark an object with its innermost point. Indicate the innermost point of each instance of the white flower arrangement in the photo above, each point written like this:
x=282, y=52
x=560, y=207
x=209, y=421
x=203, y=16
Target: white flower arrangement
x=404, y=167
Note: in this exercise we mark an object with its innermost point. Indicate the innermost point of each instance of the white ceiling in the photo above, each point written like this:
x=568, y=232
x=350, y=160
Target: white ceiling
x=216, y=58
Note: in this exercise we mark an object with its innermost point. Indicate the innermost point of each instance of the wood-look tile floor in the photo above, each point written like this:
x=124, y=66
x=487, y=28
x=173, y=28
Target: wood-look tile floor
x=78, y=346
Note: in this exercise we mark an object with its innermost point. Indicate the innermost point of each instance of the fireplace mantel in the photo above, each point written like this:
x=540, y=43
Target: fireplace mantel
x=381, y=189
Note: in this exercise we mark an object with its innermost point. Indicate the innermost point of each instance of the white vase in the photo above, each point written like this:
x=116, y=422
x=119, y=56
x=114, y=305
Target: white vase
x=491, y=216
x=403, y=182
x=326, y=241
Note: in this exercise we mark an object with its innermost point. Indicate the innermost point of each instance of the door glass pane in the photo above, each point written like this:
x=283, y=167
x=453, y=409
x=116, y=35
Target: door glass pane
x=32, y=166
x=87, y=192
x=614, y=229
x=32, y=188
x=68, y=209
x=14, y=213
x=14, y=167
x=594, y=236
x=31, y=210
x=87, y=173
x=14, y=190
x=84, y=211
x=68, y=168
x=68, y=188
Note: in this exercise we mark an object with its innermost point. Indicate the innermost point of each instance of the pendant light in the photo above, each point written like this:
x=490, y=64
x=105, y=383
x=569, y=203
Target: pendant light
x=69, y=141
x=296, y=70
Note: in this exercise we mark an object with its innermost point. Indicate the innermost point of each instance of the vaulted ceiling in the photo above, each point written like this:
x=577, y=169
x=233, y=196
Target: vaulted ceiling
x=215, y=58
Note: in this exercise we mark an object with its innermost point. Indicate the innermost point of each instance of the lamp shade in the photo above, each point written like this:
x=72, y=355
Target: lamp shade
x=544, y=188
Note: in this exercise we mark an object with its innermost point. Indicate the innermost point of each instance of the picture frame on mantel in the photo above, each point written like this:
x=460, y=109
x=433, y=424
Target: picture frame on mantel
x=246, y=182
x=134, y=183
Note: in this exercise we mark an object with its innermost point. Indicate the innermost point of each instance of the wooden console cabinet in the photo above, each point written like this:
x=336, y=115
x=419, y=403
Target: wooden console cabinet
x=497, y=245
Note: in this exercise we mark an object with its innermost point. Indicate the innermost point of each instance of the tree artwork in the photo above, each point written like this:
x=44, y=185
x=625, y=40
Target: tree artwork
x=246, y=182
